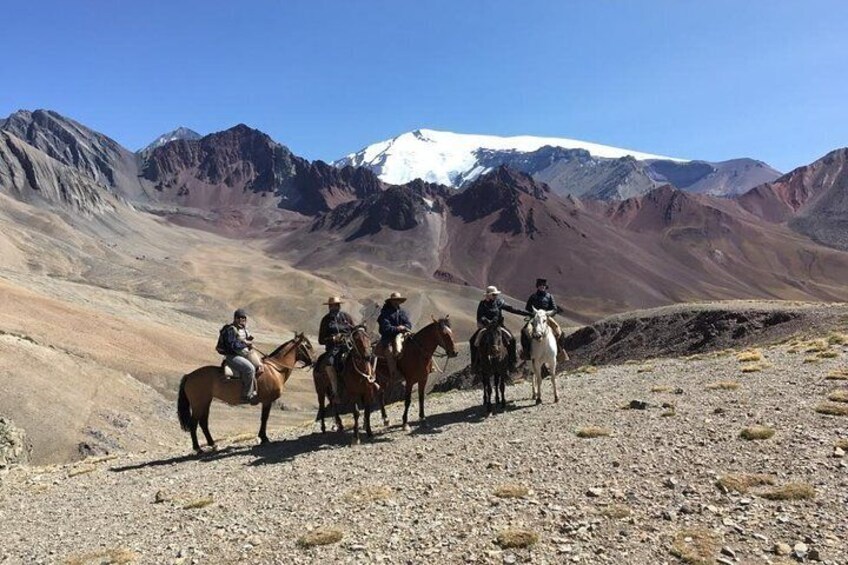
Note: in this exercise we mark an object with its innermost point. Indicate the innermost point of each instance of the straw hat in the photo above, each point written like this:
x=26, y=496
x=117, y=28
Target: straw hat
x=492, y=290
x=333, y=300
x=397, y=297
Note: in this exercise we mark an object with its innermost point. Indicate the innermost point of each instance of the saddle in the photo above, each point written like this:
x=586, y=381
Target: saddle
x=228, y=372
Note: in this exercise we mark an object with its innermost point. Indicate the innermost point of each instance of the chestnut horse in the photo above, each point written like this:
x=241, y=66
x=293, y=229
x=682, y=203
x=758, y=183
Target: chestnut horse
x=358, y=383
x=416, y=364
x=198, y=388
x=494, y=364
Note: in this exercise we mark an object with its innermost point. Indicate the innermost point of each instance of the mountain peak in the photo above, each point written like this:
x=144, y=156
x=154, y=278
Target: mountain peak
x=181, y=132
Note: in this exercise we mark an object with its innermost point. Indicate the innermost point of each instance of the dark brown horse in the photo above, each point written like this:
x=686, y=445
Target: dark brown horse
x=198, y=388
x=358, y=382
x=494, y=364
x=416, y=364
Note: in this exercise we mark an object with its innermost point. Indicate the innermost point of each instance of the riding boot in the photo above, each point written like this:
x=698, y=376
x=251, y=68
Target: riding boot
x=475, y=365
x=391, y=361
x=333, y=377
x=525, y=346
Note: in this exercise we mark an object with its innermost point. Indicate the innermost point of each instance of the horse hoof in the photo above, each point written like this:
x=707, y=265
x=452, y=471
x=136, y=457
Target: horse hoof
x=386, y=422
x=354, y=441
x=264, y=441
x=556, y=400
x=538, y=401
x=406, y=428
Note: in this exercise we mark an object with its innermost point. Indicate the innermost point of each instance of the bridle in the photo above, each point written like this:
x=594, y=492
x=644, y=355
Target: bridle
x=496, y=330
x=440, y=343
x=299, y=344
x=536, y=333
x=360, y=356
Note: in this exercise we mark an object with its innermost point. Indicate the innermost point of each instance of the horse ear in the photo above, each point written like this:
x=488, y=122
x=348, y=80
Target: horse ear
x=534, y=310
x=432, y=317
x=447, y=316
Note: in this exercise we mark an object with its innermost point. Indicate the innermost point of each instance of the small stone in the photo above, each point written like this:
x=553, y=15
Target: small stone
x=638, y=405
x=670, y=483
x=838, y=452
x=800, y=550
x=781, y=548
x=509, y=558
x=814, y=555
x=728, y=552
x=160, y=497
x=595, y=492
x=724, y=561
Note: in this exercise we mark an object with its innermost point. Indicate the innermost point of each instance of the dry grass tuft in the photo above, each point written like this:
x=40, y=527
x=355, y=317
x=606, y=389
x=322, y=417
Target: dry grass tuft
x=841, y=443
x=198, y=503
x=696, y=546
x=241, y=438
x=723, y=385
x=816, y=346
x=790, y=491
x=812, y=360
x=114, y=556
x=837, y=338
x=511, y=491
x=670, y=413
x=516, y=537
x=838, y=395
x=832, y=409
x=615, y=511
x=368, y=493
x=100, y=459
x=756, y=433
x=750, y=356
x=662, y=389
x=645, y=369
x=320, y=536
x=588, y=432
x=590, y=369
x=829, y=354
x=741, y=482
x=755, y=367
x=82, y=470
x=837, y=375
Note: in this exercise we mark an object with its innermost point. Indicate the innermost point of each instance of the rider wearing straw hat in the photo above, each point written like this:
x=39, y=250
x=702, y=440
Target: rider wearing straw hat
x=491, y=310
x=394, y=322
x=334, y=325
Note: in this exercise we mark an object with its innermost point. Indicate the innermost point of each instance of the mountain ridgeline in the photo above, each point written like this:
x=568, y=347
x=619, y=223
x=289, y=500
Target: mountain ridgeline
x=616, y=229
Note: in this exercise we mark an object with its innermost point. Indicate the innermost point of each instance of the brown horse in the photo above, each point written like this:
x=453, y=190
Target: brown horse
x=198, y=388
x=416, y=364
x=359, y=385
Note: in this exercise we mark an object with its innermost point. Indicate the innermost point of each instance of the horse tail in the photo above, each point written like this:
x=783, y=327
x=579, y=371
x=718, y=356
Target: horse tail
x=184, y=407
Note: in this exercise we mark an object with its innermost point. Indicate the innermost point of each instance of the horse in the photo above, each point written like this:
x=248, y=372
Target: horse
x=198, y=388
x=543, y=353
x=416, y=364
x=357, y=380
x=494, y=364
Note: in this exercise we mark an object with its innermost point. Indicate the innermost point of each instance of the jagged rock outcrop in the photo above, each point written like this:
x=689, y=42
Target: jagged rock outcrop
x=15, y=447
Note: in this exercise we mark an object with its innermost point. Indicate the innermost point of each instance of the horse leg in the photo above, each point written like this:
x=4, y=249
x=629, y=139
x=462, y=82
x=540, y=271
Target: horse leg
x=553, y=384
x=266, y=410
x=355, y=440
x=193, y=431
x=407, y=400
x=533, y=381
x=204, y=425
x=367, y=407
x=502, y=387
x=383, y=407
x=487, y=393
x=540, y=374
x=321, y=413
x=421, y=418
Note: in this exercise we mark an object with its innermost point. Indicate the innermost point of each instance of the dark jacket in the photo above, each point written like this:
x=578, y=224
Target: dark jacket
x=232, y=344
x=333, y=323
x=389, y=319
x=490, y=311
x=541, y=300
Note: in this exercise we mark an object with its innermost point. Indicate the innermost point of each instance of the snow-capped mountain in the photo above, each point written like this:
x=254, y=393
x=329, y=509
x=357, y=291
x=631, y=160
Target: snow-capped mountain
x=179, y=133
x=455, y=159
x=569, y=166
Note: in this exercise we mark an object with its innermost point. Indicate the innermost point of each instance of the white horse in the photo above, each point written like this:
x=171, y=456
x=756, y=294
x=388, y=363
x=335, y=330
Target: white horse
x=543, y=353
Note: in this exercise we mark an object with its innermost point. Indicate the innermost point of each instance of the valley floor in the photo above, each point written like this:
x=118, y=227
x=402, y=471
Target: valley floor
x=645, y=491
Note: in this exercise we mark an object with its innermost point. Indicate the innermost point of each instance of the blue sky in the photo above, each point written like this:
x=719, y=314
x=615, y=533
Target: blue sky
x=710, y=79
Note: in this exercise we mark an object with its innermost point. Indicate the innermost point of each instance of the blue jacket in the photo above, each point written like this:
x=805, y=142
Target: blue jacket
x=232, y=344
x=390, y=318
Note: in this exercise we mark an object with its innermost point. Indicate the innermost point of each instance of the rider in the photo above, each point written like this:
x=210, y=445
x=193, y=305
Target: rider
x=491, y=310
x=334, y=325
x=237, y=346
x=394, y=323
x=542, y=300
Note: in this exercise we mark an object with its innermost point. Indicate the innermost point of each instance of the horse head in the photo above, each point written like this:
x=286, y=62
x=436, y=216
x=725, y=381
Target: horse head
x=304, y=352
x=360, y=341
x=444, y=333
x=539, y=324
x=493, y=342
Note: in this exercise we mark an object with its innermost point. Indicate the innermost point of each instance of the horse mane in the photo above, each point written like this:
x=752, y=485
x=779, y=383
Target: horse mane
x=274, y=353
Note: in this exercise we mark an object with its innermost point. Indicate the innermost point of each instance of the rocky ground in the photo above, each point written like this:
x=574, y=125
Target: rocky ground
x=457, y=490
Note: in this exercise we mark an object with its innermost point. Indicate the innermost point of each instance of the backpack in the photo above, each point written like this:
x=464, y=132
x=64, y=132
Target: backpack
x=221, y=346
